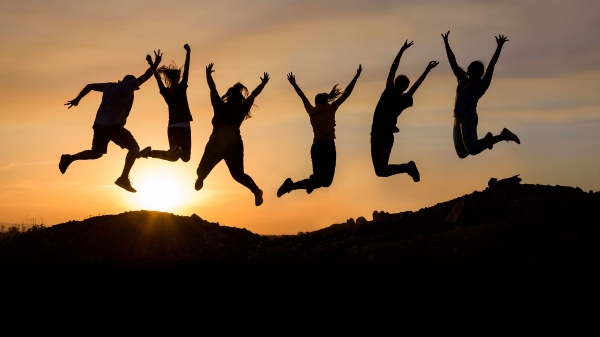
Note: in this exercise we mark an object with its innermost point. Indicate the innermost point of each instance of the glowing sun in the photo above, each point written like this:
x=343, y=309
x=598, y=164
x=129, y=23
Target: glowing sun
x=161, y=190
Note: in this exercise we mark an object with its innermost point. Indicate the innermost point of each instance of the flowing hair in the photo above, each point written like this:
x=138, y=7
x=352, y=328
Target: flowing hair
x=170, y=74
x=236, y=96
x=324, y=98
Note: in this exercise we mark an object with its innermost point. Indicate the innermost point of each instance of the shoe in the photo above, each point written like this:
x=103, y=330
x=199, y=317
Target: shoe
x=124, y=183
x=489, y=137
x=198, y=185
x=65, y=161
x=413, y=171
x=258, y=200
x=509, y=136
x=286, y=187
x=145, y=152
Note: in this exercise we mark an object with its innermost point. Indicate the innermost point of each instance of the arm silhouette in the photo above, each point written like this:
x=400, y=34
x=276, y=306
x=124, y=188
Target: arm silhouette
x=396, y=63
x=451, y=58
x=211, y=83
x=305, y=100
x=161, y=85
x=415, y=86
x=260, y=87
x=487, y=78
x=349, y=88
x=158, y=57
x=186, y=66
x=86, y=90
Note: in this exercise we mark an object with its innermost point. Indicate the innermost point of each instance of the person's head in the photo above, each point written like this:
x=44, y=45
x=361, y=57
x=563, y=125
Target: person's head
x=475, y=70
x=236, y=95
x=130, y=78
x=171, y=75
x=401, y=83
x=325, y=98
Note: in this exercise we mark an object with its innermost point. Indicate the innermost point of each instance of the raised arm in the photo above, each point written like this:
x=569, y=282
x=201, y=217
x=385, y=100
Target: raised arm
x=305, y=100
x=161, y=85
x=487, y=78
x=186, y=66
x=396, y=63
x=211, y=83
x=260, y=87
x=451, y=58
x=349, y=88
x=157, y=58
x=415, y=86
x=86, y=90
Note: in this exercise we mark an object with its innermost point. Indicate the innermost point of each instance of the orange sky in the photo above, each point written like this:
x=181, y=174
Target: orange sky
x=545, y=89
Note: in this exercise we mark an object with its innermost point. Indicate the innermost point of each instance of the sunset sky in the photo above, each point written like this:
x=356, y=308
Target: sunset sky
x=545, y=89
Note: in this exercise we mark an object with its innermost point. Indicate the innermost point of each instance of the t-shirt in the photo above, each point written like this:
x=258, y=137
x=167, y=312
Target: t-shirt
x=389, y=107
x=179, y=110
x=322, y=119
x=227, y=114
x=117, y=100
x=468, y=93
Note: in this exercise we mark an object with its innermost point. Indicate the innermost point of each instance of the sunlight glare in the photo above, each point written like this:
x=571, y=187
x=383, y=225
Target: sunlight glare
x=160, y=191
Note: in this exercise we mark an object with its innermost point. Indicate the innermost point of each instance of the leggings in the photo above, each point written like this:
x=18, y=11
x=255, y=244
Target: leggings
x=180, y=137
x=323, y=156
x=226, y=145
x=465, y=136
x=381, y=147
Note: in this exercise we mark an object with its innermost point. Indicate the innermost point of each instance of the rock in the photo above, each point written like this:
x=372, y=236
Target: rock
x=380, y=216
x=494, y=183
x=350, y=221
x=361, y=220
x=455, y=212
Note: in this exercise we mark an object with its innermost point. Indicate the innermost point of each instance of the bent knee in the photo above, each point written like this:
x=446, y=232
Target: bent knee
x=462, y=155
x=185, y=159
x=380, y=173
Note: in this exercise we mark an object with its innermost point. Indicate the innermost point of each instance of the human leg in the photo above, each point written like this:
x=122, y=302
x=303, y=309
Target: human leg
x=323, y=156
x=99, y=147
x=213, y=154
x=122, y=137
x=459, y=144
x=381, y=148
x=468, y=128
x=235, y=163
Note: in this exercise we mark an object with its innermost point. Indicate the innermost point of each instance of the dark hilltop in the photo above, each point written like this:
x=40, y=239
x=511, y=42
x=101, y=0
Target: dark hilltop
x=506, y=230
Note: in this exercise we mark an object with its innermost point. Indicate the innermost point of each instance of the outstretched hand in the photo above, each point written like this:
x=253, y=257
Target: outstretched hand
x=359, y=70
x=72, y=103
x=265, y=78
x=445, y=36
x=291, y=78
x=406, y=45
x=500, y=39
x=209, y=68
x=186, y=47
x=432, y=65
x=149, y=59
x=157, y=57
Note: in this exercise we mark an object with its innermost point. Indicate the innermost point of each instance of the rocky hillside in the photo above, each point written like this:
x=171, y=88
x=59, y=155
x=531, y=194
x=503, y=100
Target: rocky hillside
x=505, y=230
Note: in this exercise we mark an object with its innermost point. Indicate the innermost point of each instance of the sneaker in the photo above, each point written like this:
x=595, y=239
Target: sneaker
x=198, y=185
x=509, y=136
x=413, y=172
x=124, y=183
x=286, y=187
x=65, y=161
x=258, y=200
x=145, y=152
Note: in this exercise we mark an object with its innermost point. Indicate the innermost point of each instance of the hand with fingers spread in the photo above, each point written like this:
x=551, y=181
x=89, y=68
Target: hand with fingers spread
x=359, y=70
x=72, y=103
x=186, y=47
x=406, y=45
x=209, y=69
x=157, y=57
x=500, y=39
x=291, y=78
x=445, y=36
x=432, y=65
x=265, y=78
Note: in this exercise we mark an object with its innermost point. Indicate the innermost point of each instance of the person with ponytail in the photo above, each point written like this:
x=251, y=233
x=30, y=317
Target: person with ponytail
x=174, y=91
x=225, y=142
x=322, y=151
x=392, y=102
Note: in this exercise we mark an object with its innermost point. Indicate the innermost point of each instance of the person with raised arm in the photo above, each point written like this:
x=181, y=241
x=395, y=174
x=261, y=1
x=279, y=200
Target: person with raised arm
x=392, y=102
x=322, y=151
x=472, y=84
x=109, y=125
x=173, y=88
x=225, y=142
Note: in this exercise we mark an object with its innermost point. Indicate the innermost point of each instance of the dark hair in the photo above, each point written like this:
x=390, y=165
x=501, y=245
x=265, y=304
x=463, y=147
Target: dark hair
x=475, y=70
x=324, y=98
x=170, y=75
x=401, y=83
x=236, y=96
x=128, y=78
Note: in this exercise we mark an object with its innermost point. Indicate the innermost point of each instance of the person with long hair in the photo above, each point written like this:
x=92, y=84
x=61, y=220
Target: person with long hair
x=472, y=84
x=225, y=142
x=109, y=125
x=322, y=151
x=174, y=91
x=392, y=102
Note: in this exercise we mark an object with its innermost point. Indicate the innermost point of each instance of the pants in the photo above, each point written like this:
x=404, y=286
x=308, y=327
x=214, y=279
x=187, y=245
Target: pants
x=465, y=136
x=178, y=137
x=381, y=147
x=323, y=156
x=226, y=144
x=103, y=134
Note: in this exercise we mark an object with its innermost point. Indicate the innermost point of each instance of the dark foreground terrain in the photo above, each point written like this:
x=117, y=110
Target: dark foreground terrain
x=519, y=229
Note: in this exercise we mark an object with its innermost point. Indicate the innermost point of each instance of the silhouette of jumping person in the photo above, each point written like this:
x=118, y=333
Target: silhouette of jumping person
x=109, y=125
x=472, y=84
x=174, y=92
x=392, y=102
x=322, y=151
x=225, y=142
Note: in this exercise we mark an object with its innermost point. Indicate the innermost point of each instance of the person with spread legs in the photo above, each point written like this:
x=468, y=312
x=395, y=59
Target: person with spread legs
x=392, y=102
x=117, y=100
x=322, y=151
x=225, y=142
x=472, y=84
x=174, y=92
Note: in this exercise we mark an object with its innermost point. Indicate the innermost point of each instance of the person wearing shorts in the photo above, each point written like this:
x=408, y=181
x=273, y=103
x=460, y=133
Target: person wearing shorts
x=109, y=125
